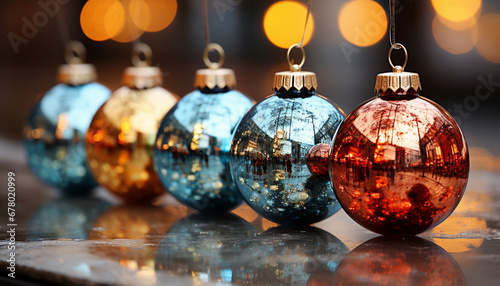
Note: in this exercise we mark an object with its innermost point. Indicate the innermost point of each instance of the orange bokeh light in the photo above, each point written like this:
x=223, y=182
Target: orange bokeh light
x=125, y=20
x=284, y=23
x=452, y=41
x=457, y=10
x=130, y=31
x=153, y=15
x=362, y=22
x=489, y=37
x=102, y=19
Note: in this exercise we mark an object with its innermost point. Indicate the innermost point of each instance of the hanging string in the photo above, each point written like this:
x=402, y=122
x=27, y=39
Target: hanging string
x=309, y=3
x=63, y=26
x=392, y=25
x=205, y=23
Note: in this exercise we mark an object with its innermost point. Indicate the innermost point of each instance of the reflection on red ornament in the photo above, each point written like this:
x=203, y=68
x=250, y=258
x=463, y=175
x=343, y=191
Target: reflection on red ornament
x=317, y=159
x=399, y=164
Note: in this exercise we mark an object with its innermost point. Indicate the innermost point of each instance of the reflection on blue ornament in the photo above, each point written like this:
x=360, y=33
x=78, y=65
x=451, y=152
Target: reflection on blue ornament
x=268, y=157
x=290, y=256
x=192, y=148
x=207, y=248
x=67, y=218
x=54, y=136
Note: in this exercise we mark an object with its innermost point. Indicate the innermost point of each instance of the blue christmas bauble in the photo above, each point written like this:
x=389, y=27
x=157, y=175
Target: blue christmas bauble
x=269, y=150
x=191, y=155
x=54, y=135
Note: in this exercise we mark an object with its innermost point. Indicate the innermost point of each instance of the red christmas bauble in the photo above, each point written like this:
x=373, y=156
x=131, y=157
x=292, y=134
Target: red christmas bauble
x=399, y=162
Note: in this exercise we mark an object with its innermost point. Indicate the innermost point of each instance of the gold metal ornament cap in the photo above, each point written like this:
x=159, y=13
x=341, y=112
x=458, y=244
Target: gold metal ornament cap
x=215, y=75
x=295, y=77
x=398, y=78
x=142, y=75
x=211, y=78
x=75, y=71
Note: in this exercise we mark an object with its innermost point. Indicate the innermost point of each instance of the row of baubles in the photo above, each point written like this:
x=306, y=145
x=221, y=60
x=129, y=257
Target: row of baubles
x=141, y=140
x=212, y=149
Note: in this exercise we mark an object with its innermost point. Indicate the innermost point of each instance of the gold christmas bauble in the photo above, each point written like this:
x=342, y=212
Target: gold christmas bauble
x=119, y=142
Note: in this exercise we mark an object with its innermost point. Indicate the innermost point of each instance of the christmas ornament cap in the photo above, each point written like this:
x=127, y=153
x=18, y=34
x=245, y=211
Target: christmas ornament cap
x=398, y=78
x=142, y=75
x=214, y=76
x=295, y=77
x=75, y=72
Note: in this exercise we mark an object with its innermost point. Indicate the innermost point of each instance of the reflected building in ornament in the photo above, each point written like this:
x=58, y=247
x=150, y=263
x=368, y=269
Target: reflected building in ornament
x=270, y=148
x=399, y=162
x=191, y=153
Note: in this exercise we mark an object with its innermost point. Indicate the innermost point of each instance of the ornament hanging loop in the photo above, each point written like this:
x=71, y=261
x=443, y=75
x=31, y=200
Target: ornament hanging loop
x=296, y=67
x=214, y=47
x=397, y=46
x=142, y=55
x=75, y=53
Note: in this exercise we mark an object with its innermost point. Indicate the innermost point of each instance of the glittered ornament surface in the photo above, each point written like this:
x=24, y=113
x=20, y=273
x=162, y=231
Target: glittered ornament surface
x=54, y=135
x=268, y=157
x=192, y=148
x=120, y=142
x=399, y=163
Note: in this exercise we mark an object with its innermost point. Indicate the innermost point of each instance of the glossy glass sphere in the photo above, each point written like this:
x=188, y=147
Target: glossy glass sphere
x=268, y=157
x=399, y=164
x=54, y=136
x=120, y=142
x=192, y=148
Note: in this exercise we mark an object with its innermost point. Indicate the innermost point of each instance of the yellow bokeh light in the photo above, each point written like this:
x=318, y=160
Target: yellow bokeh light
x=153, y=15
x=362, y=22
x=463, y=25
x=457, y=10
x=102, y=19
x=130, y=31
x=452, y=41
x=489, y=37
x=284, y=23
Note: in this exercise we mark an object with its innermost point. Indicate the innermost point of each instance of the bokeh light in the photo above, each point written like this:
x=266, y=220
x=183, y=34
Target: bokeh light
x=489, y=37
x=457, y=10
x=125, y=20
x=453, y=41
x=362, y=22
x=102, y=19
x=130, y=31
x=153, y=15
x=284, y=23
x=463, y=25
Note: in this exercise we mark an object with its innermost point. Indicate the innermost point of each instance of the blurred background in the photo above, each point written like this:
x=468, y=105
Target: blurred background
x=453, y=45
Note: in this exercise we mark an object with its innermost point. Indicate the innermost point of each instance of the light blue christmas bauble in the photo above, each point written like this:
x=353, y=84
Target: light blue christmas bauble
x=54, y=135
x=191, y=155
